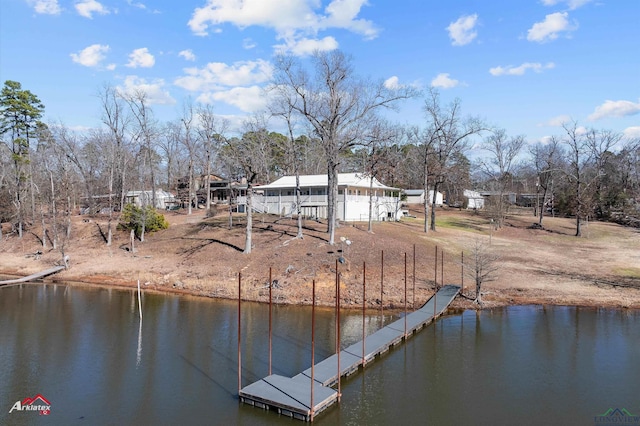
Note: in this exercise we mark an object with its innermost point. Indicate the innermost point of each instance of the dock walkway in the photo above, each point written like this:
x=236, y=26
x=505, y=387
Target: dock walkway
x=32, y=277
x=292, y=396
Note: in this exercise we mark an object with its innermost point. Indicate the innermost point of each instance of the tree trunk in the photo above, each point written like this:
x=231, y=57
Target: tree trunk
x=332, y=198
x=208, y=183
x=433, y=204
x=299, y=205
x=190, y=186
x=370, y=227
x=426, y=198
x=247, y=241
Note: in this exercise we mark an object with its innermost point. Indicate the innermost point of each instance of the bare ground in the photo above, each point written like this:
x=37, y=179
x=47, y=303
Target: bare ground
x=202, y=256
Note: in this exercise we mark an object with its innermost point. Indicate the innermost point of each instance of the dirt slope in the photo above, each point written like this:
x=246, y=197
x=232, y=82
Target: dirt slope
x=202, y=256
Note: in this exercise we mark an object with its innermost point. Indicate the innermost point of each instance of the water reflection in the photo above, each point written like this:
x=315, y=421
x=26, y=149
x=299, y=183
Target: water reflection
x=83, y=350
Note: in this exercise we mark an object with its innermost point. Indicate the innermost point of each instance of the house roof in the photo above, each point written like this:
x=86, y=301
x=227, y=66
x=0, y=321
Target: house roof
x=414, y=192
x=344, y=179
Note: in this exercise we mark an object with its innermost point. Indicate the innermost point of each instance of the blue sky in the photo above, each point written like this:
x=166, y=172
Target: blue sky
x=523, y=65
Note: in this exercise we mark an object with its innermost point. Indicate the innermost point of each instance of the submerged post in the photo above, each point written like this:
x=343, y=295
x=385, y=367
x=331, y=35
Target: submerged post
x=313, y=342
x=239, y=336
x=139, y=302
x=270, y=322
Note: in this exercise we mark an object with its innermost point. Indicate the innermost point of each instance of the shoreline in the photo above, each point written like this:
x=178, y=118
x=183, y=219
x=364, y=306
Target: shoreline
x=461, y=303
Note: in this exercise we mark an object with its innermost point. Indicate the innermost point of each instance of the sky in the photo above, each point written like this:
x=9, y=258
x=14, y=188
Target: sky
x=523, y=65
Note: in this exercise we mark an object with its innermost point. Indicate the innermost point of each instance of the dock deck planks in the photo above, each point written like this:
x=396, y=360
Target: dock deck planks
x=292, y=396
x=32, y=277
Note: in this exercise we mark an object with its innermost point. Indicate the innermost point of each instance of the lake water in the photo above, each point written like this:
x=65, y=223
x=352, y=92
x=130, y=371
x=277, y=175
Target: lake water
x=86, y=352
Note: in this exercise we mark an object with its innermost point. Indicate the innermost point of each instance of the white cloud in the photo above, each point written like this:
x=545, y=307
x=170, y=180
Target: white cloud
x=549, y=29
x=136, y=4
x=216, y=75
x=632, y=132
x=572, y=4
x=45, y=7
x=521, y=69
x=558, y=121
x=292, y=20
x=90, y=56
x=443, y=81
x=392, y=83
x=306, y=46
x=462, y=31
x=248, y=44
x=154, y=90
x=111, y=67
x=87, y=8
x=247, y=99
x=615, y=109
x=187, y=55
x=141, y=58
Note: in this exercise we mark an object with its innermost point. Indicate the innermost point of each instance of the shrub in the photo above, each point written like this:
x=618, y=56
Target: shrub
x=133, y=217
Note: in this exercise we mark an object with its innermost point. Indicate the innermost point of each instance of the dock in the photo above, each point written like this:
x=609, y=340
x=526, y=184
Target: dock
x=32, y=277
x=292, y=396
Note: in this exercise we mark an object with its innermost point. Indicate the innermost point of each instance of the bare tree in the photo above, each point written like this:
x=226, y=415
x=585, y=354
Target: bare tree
x=580, y=157
x=189, y=141
x=210, y=132
x=283, y=108
x=499, y=167
x=251, y=154
x=546, y=159
x=139, y=105
x=601, y=143
x=482, y=266
x=337, y=105
x=450, y=133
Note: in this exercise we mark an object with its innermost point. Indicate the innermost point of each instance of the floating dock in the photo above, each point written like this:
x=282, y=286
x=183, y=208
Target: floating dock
x=292, y=396
x=32, y=277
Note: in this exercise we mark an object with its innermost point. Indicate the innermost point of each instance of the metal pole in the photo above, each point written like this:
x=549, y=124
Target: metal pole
x=313, y=342
x=364, y=299
x=270, y=319
x=462, y=273
x=139, y=302
x=442, y=267
x=338, y=338
x=435, y=278
x=414, y=278
x=405, y=294
x=239, y=335
x=381, y=286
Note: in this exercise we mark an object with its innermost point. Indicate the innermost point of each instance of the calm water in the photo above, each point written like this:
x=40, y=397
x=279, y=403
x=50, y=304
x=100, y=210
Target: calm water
x=87, y=353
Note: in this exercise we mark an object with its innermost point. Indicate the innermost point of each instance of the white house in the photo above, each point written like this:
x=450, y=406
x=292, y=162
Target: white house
x=279, y=197
x=164, y=199
x=474, y=199
x=416, y=196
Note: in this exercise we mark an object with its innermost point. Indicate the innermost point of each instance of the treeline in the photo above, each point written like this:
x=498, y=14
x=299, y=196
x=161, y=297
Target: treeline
x=333, y=124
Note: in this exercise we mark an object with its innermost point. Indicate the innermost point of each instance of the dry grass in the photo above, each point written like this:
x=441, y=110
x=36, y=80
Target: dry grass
x=201, y=256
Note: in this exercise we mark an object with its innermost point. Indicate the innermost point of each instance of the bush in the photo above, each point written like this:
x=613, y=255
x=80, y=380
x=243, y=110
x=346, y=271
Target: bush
x=133, y=217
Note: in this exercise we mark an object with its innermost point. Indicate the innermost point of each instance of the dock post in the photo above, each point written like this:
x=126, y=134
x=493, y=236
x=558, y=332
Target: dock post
x=313, y=343
x=338, y=336
x=139, y=302
x=413, y=304
x=364, y=300
x=239, y=336
x=442, y=267
x=462, y=272
x=405, y=294
x=381, y=287
x=270, y=318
